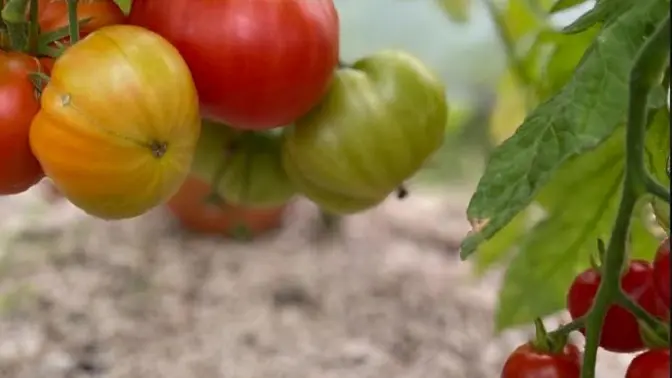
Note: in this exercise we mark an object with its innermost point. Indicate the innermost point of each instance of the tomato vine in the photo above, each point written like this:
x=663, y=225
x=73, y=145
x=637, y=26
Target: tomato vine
x=557, y=134
x=647, y=70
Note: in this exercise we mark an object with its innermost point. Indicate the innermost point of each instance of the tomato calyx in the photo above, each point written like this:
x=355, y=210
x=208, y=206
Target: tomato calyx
x=39, y=80
x=548, y=343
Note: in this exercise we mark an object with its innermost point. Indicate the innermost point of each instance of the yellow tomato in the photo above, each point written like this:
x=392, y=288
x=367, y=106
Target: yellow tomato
x=119, y=122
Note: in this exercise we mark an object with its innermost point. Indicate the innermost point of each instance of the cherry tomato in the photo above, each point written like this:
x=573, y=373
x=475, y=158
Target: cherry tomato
x=53, y=15
x=189, y=206
x=19, y=169
x=650, y=364
x=620, y=332
x=257, y=64
x=661, y=272
x=119, y=122
x=526, y=362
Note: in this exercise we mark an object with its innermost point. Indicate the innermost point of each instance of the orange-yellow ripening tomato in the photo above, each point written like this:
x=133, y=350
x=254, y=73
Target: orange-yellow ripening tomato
x=119, y=122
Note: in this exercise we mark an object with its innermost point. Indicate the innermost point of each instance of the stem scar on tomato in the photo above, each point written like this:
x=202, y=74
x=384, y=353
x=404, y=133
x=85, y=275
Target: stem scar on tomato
x=66, y=99
x=158, y=148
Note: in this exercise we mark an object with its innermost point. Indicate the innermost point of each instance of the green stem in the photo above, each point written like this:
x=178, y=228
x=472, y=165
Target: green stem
x=14, y=18
x=568, y=328
x=73, y=21
x=645, y=75
x=611, y=275
x=34, y=28
x=638, y=311
x=655, y=188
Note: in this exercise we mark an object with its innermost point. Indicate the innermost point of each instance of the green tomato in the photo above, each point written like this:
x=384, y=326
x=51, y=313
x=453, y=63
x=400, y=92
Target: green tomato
x=379, y=122
x=244, y=168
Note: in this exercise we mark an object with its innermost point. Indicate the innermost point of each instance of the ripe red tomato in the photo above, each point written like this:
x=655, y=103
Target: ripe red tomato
x=650, y=364
x=257, y=64
x=53, y=15
x=661, y=272
x=19, y=169
x=526, y=362
x=620, y=332
x=195, y=214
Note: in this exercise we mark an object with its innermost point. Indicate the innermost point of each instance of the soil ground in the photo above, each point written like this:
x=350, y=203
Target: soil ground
x=383, y=296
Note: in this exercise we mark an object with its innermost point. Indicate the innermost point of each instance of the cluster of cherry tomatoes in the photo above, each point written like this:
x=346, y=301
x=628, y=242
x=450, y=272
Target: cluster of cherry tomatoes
x=647, y=284
x=248, y=96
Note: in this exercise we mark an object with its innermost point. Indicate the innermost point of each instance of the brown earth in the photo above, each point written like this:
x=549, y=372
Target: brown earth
x=384, y=296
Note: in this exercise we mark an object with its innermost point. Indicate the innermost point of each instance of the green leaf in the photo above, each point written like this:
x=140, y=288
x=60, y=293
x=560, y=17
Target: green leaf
x=567, y=54
x=604, y=12
x=581, y=204
x=658, y=146
x=656, y=154
x=502, y=245
x=457, y=10
x=562, y=5
x=576, y=120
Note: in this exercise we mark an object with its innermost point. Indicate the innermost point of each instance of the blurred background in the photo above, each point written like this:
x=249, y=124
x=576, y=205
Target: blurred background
x=379, y=294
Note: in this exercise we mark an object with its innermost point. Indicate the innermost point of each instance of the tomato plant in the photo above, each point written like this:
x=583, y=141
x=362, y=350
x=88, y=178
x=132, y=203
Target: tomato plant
x=380, y=121
x=119, y=122
x=620, y=331
x=256, y=64
x=19, y=169
x=661, y=272
x=245, y=168
x=191, y=208
x=586, y=150
x=650, y=364
x=527, y=362
x=93, y=15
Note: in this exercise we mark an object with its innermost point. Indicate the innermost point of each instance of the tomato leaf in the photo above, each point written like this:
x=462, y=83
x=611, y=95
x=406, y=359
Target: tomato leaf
x=577, y=119
x=502, y=245
x=581, y=204
x=656, y=155
x=658, y=146
x=562, y=5
x=604, y=12
x=566, y=55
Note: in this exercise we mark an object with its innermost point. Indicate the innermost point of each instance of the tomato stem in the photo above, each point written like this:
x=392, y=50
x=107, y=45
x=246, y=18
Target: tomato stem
x=649, y=64
x=654, y=338
x=73, y=22
x=14, y=18
x=566, y=329
x=402, y=192
x=638, y=311
x=34, y=28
